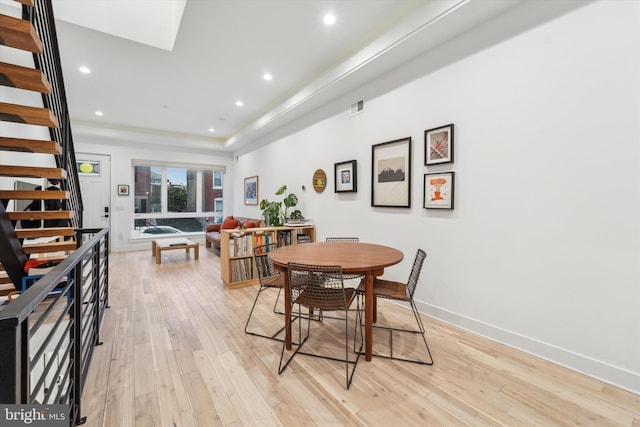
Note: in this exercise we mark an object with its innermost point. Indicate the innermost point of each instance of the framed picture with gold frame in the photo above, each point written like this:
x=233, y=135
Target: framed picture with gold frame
x=251, y=190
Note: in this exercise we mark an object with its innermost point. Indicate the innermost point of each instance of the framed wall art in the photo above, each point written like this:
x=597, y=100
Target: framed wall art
x=391, y=174
x=438, y=190
x=345, y=177
x=438, y=145
x=251, y=190
x=123, y=190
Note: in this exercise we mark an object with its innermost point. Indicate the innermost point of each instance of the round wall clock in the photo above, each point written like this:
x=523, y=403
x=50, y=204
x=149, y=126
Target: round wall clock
x=319, y=180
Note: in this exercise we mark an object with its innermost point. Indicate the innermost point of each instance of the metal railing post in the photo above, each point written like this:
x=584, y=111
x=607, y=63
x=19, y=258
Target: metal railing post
x=10, y=363
x=76, y=354
x=96, y=290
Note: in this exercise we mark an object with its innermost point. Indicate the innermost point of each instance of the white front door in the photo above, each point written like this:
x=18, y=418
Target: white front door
x=94, y=172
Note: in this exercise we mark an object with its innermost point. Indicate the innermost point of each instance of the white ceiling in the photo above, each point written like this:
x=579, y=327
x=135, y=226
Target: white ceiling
x=153, y=23
x=154, y=89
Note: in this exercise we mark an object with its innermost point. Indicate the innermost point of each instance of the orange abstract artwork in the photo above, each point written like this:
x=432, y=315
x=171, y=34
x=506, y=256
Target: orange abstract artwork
x=437, y=183
x=438, y=190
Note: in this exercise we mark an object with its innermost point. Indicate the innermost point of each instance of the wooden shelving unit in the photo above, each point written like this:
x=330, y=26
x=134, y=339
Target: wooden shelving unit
x=236, y=250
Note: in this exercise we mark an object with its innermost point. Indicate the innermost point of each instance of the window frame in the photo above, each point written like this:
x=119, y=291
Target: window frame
x=164, y=212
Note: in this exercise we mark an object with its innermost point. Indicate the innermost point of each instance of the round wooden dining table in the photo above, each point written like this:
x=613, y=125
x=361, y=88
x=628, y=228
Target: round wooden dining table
x=354, y=258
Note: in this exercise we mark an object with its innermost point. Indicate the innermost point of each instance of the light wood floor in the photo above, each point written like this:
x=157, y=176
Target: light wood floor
x=175, y=354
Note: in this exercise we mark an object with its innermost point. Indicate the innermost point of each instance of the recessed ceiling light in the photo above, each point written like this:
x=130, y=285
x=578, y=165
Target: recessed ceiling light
x=239, y=103
x=267, y=76
x=212, y=130
x=329, y=19
x=84, y=70
x=98, y=113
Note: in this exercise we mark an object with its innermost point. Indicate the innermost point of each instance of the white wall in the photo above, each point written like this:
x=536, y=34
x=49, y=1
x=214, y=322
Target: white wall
x=542, y=249
x=122, y=154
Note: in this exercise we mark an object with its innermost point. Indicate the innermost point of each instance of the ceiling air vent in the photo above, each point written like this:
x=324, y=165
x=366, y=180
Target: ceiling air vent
x=357, y=107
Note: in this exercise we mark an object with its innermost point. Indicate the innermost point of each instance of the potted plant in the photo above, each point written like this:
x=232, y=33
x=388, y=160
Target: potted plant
x=277, y=213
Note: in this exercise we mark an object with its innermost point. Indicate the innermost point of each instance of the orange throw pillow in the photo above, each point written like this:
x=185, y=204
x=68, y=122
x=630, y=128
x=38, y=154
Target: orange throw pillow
x=229, y=222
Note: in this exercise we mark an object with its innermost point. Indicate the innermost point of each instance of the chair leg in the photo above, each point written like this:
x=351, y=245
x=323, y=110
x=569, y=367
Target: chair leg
x=299, y=344
x=420, y=331
x=275, y=304
x=416, y=313
x=255, y=300
x=359, y=314
x=349, y=377
x=348, y=374
x=246, y=326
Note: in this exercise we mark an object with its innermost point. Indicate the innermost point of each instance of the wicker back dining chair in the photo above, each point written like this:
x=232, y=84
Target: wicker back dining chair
x=343, y=239
x=346, y=240
x=401, y=292
x=270, y=278
x=318, y=287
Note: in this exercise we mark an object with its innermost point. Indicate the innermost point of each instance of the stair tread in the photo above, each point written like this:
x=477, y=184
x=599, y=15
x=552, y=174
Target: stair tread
x=26, y=2
x=28, y=115
x=32, y=172
x=30, y=145
x=20, y=34
x=23, y=78
x=67, y=245
x=24, y=233
x=36, y=215
x=34, y=195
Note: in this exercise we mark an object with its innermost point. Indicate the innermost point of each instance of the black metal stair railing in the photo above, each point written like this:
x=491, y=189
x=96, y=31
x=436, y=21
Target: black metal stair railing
x=48, y=334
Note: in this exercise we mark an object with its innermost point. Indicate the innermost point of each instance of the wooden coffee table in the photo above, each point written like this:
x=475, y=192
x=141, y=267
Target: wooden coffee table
x=157, y=246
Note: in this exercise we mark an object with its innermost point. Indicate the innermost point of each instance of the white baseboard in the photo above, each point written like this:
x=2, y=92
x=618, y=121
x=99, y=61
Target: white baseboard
x=594, y=368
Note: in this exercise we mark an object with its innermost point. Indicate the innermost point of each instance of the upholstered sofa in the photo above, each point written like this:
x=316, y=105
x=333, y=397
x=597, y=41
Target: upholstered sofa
x=212, y=231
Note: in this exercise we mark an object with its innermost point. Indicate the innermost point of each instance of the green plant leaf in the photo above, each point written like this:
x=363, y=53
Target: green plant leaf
x=275, y=213
x=291, y=200
x=296, y=214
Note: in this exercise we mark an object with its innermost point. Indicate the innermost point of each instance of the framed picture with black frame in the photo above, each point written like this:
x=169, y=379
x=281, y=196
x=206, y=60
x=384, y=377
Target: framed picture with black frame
x=438, y=190
x=346, y=177
x=438, y=145
x=391, y=174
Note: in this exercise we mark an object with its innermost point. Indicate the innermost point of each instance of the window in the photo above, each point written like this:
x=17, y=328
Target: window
x=181, y=190
x=212, y=191
x=174, y=199
x=148, y=189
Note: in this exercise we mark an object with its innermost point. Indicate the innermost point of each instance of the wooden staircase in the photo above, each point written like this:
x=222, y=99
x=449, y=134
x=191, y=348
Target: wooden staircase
x=18, y=244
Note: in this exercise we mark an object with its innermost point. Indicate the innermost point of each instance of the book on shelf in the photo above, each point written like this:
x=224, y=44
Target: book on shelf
x=303, y=238
x=241, y=269
x=239, y=250
x=283, y=237
x=261, y=239
x=240, y=245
